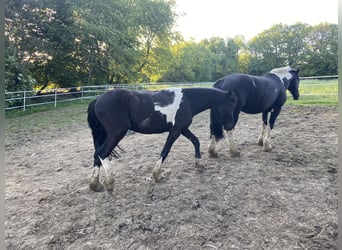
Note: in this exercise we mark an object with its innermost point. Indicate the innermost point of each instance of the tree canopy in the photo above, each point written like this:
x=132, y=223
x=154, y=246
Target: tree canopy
x=85, y=42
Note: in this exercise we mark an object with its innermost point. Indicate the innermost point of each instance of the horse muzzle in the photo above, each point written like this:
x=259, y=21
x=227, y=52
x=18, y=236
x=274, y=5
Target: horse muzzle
x=228, y=125
x=296, y=97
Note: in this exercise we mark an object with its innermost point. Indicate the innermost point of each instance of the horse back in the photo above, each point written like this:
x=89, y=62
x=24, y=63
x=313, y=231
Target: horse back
x=255, y=94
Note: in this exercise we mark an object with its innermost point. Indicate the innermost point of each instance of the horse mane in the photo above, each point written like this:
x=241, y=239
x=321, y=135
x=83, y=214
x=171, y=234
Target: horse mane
x=283, y=72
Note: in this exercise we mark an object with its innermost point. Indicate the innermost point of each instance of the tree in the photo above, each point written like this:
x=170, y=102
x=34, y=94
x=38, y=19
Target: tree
x=322, y=50
x=86, y=42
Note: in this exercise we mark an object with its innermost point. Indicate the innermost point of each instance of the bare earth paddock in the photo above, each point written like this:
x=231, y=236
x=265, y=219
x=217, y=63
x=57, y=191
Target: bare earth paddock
x=283, y=199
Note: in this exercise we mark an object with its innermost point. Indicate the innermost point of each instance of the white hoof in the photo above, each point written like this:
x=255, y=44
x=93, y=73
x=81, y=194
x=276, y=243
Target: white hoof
x=267, y=146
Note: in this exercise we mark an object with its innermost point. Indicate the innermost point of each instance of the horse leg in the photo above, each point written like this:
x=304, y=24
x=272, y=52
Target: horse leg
x=231, y=144
x=103, y=155
x=188, y=134
x=212, y=147
x=216, y=131
x=94, y=182
x=171, y=138
x=263, y=129
x=267, y=140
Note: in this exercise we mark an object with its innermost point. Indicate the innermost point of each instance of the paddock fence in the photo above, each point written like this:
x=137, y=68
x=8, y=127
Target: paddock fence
x=17, y=100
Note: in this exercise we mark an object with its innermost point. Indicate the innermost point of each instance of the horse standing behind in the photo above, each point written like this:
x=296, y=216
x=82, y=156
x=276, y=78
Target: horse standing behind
x=266, y=94
x=115, y=112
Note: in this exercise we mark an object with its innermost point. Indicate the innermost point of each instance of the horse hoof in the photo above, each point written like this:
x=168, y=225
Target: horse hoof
x=156, y=173
x=96, y=186
x=267, y=146
x=260, y=142
x=109, y=185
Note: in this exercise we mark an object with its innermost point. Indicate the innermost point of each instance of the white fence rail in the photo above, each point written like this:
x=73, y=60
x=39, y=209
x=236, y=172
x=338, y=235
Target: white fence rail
x=30, y=98
x=24, y=99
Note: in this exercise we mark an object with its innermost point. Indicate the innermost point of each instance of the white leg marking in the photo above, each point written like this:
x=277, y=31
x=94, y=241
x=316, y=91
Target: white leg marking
x=197, y=162
x=262, y=134
x=267, y=139
x=212, y=147
x=156, y=172
x=109, y=180
x=231, y=145
x=94, y=183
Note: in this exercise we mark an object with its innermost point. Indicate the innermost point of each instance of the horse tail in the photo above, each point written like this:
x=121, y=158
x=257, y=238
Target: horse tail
x=98, y=131
x=215, y=117
x=216, y=124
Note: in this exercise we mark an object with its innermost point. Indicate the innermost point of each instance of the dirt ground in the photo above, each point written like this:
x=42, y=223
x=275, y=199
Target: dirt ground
x=283, y=199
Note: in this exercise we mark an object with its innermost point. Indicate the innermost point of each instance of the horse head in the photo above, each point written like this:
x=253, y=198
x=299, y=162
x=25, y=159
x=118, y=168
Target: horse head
x=227, y=110
x=290, y=78
x=294, y=84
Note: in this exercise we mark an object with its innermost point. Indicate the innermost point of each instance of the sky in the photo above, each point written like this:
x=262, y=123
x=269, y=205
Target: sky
x=227, y=18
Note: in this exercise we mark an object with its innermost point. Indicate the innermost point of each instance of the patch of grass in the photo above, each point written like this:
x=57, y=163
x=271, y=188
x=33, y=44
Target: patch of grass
x=42, y=108
x=38, y=120
x=316, y=92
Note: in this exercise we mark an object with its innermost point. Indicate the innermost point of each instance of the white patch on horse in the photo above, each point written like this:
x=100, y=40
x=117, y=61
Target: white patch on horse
x=282, y=73
x=107, y=166
x=253, y=82
x=170, y=111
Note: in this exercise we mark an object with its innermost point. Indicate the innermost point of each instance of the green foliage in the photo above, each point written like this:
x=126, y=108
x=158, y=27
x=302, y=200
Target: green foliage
x=86, y=42
x=312, y=48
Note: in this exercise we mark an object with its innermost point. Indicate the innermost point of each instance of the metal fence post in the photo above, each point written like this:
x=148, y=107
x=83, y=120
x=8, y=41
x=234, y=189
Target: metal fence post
x=24, y=102
x=55, y=98
x=81, y=93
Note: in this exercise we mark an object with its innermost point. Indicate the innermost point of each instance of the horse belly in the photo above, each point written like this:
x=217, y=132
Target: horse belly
x=152, y=124
x=252, y=109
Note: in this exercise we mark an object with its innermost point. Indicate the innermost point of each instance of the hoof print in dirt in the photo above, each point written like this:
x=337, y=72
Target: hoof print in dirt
x=200, y=168
x=213, y=155
x=234, y=153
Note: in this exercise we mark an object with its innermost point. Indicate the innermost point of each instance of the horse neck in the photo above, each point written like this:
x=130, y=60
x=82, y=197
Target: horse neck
x=285, y=82
x=203, y=99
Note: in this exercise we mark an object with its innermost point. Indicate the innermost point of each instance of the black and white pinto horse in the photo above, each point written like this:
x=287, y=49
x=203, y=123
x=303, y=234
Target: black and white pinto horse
x=115, y=112
x=265, y=94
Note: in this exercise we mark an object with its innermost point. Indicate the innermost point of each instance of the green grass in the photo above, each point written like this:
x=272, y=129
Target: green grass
x=46, y=107
x=60, y=118
x=316, y=92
